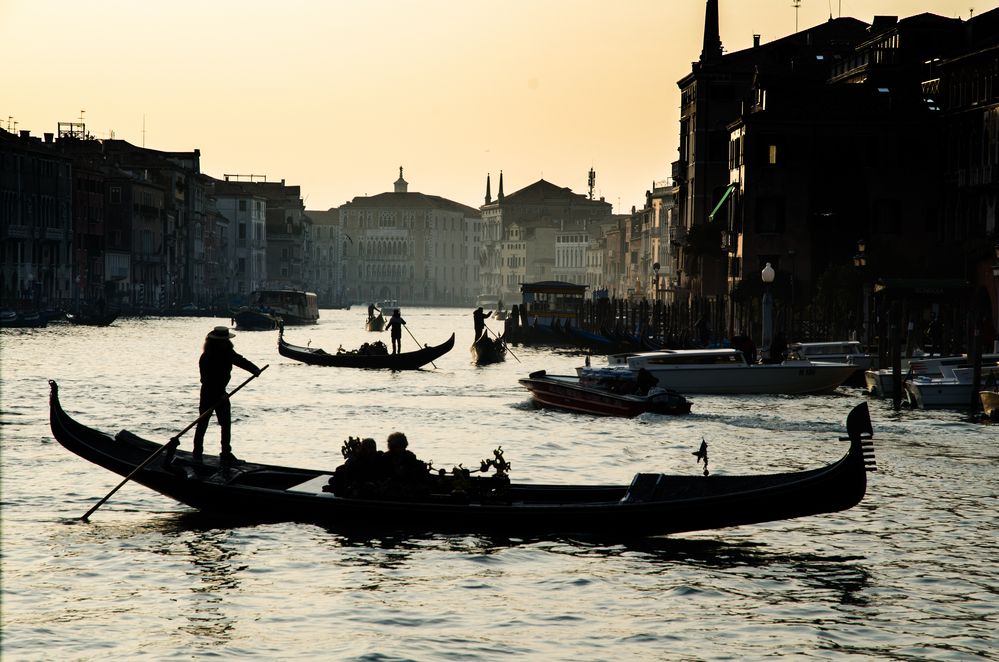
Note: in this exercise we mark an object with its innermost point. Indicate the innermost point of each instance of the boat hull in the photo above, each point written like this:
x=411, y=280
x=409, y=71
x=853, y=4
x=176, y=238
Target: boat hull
x=776, y=379
x=652, y=504
x=567, y=393
x=401, y=361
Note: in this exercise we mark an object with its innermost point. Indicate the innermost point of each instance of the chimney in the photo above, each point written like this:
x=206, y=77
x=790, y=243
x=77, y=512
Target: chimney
x=756, y=41
x=49, y=137
x=25, y=133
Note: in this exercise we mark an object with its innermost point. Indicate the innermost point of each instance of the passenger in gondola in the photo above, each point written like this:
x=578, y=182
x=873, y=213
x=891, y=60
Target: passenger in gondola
x=479, y=319
x=215, y=365
x=395, y=325
x=407, y=476
x=362, y=474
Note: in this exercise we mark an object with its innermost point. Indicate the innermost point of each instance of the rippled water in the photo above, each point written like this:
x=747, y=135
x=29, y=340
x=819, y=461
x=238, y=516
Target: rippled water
x=910, y=573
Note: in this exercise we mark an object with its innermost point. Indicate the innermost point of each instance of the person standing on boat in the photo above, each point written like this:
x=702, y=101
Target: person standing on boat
x=371, y=310
x=395, y=324
x=479, y=319
x=215, y=364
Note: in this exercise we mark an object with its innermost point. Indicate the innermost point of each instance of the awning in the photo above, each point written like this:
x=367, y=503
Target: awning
x=728, y=192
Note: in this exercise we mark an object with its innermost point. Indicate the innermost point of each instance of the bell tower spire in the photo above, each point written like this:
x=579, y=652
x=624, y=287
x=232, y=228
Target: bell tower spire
x=712, y=49
x=489, y=196
x=499, y=194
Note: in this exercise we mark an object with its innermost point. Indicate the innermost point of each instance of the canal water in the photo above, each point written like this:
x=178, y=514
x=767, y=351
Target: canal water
x=910, y=573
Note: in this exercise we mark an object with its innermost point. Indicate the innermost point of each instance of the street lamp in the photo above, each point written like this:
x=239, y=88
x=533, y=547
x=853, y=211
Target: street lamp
x=767, y=275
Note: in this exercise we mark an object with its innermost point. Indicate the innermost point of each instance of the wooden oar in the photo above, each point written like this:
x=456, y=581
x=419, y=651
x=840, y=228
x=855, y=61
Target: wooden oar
x=175, y=441
x=500, y=338
x=417, y=342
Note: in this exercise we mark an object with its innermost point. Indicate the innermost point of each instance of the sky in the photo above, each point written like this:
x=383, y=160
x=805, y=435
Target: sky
x=336, y=95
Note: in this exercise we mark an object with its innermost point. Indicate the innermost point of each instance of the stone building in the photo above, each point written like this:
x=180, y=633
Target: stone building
x=245, y=208
x=35, y=221
x=535, y=232
x=324, y=263
x=407, y=246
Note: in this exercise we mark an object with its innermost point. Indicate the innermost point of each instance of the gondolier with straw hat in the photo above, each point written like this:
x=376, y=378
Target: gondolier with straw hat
x=215, y=364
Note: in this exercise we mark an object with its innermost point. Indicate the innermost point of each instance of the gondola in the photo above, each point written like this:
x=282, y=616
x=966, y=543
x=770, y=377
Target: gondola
x=401, y=361
x=92, y=318
x=375, y=323
x=486, y=350
x=612, y=397
x=652, y=504
x=255, y=319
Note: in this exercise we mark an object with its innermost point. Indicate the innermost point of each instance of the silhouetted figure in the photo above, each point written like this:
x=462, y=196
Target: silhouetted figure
x=372, y=309
x=407, y=475
x=215, y=365
x=395, y=325
x=745, y=344
x=778, y=348
x=479, y=319
x=646, y=381
x=362, y=474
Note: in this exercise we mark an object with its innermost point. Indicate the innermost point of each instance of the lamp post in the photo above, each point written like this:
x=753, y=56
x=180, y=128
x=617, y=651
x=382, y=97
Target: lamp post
x=767, y=275
x=860, y=261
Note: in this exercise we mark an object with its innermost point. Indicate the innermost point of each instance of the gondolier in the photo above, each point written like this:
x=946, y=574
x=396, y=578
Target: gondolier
x=395, y=325
x=215, y=365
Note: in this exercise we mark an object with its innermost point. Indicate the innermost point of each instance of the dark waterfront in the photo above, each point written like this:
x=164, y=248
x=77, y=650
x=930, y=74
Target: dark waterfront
x=910, y=573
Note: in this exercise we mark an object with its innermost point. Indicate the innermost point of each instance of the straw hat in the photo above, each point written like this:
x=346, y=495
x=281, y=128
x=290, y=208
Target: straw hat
x=220, y=333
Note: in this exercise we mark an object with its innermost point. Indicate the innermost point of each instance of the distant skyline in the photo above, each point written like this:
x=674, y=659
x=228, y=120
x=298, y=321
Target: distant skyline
x=334, y=96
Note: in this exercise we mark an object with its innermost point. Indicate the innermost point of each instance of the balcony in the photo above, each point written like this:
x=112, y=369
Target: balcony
x=679, y=171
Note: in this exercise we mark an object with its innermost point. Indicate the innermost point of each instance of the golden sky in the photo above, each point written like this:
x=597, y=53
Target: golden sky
x=335, y=95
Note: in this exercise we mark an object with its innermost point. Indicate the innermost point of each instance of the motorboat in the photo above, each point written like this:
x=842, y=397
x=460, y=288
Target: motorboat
x=952, y=389
x=602, y=392
x=880, y=382
x=847, y=351
x=725, y=370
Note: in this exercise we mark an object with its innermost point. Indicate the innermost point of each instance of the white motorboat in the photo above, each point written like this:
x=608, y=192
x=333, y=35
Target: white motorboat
x=879, y=382
x=726, y=371
x=953, y=389
x=847, y=351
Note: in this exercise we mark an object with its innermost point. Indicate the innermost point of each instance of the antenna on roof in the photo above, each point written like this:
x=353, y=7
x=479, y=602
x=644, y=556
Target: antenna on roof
x=591, y=180
x=795, y=4
x=143, y=129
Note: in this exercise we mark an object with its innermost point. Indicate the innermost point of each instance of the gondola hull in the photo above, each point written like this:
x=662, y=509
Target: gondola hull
x=376, y=323
x=401, y=361
x=485, y=350
x=653, y=504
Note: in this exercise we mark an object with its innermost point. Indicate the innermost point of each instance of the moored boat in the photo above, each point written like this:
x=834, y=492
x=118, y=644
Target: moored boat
x=653, y=503
x=951, y=390
x=361, y=359
x=603, y=395
x=726, y=371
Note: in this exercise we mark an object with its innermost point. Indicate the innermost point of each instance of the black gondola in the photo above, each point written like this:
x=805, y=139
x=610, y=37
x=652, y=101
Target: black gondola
x=652, y=504
x=401, y=361
x=375, y=323
x=486, y=350
x=93, y=318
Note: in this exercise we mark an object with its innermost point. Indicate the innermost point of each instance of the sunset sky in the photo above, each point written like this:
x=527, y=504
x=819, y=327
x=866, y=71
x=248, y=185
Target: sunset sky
x=334, y=96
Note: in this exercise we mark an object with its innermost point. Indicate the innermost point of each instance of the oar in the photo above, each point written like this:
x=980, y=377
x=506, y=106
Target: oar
x=417, y=342
x=173, y=440
x=504, y=343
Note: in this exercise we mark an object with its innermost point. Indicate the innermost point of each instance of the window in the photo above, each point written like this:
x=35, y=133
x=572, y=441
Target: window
x=772, y=155
x=242, y=205
x=115, y=194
